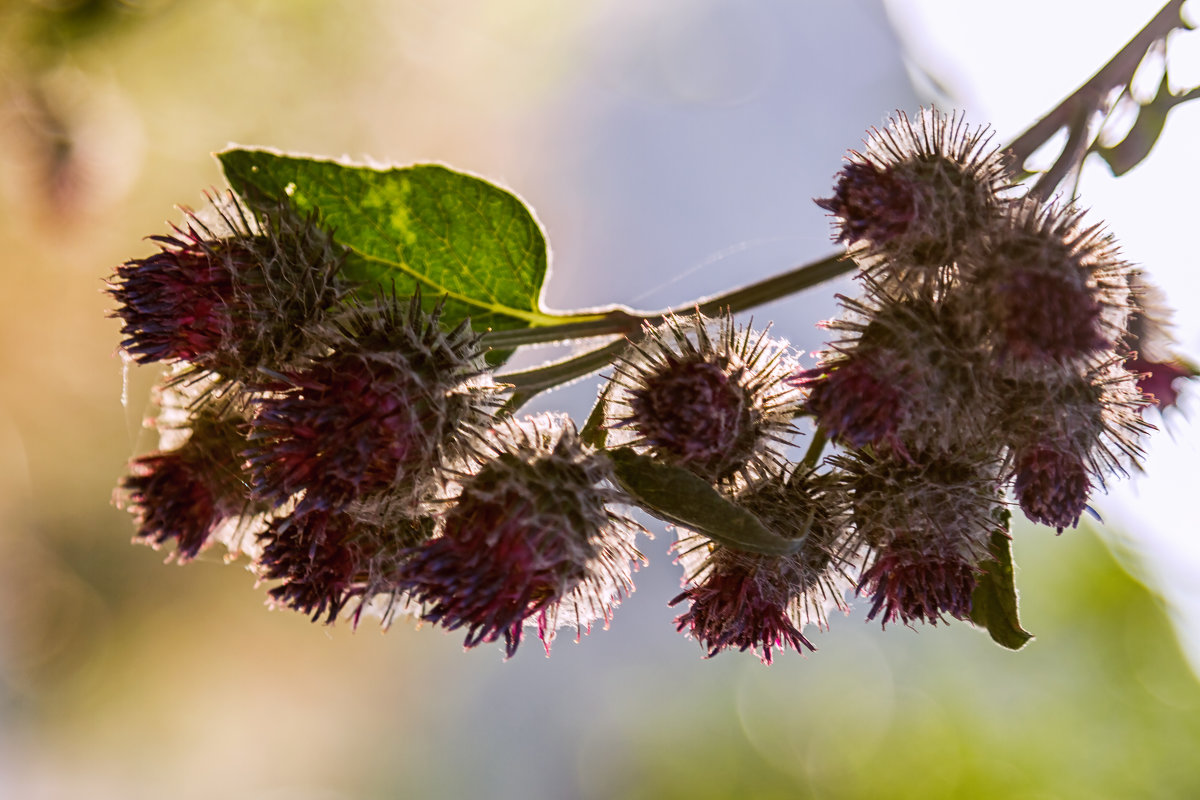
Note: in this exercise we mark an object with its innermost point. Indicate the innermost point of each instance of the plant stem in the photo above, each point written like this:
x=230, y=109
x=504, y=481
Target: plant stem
x=616, y=321
x=621, y=322
x=815, y=448
x=529, y=383
x=1075, y=112
x=779, y=286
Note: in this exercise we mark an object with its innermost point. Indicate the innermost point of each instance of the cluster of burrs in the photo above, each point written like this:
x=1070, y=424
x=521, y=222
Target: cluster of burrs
x=360, y=453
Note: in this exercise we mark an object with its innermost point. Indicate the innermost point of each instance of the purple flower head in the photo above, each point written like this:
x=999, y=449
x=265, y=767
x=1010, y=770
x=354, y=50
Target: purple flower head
x=530, y=539
x=1052, y=288
x=711, y=399
x=360, y=421
x=310, y=554
x=875, y=204
x=860, y=401
x=743, y=601
x=187, y=493
x=176, y=304
x=750, y=601
x=924, y=525
x=1068, y=430
x=326, y=559
x=911, y=585
x=228, y=297
x=908, y=204
x=346, y=427
x=1052, y=486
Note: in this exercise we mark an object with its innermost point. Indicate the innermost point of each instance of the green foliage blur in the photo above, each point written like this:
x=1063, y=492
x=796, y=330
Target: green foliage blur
x=1100, y=705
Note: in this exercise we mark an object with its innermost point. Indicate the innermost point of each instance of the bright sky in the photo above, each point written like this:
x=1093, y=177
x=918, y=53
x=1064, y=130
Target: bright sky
x=1007, y=77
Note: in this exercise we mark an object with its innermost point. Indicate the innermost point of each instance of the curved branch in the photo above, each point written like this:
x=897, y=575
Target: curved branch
x=1089, y=97
x=531, y=382
x=1071, y=158
x=621, y=322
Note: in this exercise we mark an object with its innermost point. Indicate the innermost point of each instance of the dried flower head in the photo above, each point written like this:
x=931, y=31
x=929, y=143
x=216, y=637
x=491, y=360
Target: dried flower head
x=1053, y=288
x=758, y=602
x=243, y=291
x=187, y=493
x=710, y=398
x=1069, y=429
x=530, y=539
x=361, y=420
x=907, y=204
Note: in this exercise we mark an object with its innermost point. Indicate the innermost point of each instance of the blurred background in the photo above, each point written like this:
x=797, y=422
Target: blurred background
x=671, y=150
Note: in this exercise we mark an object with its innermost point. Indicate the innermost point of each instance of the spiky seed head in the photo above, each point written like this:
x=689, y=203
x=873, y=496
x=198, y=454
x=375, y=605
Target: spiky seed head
x=185, y=494
x=947, y=501
x=531, y=538
x=1069, y=429
x=907, y=204
x=908, y=374
x=1054, y=288
x=360, y=421
x=325, y=560
x=750, y=601
x=925, y=525
x=708, y=397
x=243, y=291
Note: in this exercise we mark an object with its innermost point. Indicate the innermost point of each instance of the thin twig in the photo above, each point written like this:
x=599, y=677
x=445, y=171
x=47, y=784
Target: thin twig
x=614, y=321
x=816, y=447
x=622, y=322
x=529, y=383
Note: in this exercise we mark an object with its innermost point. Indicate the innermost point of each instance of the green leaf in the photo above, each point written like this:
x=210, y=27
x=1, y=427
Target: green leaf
x=453, y=235
x=994, y=602
x=677, y=496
